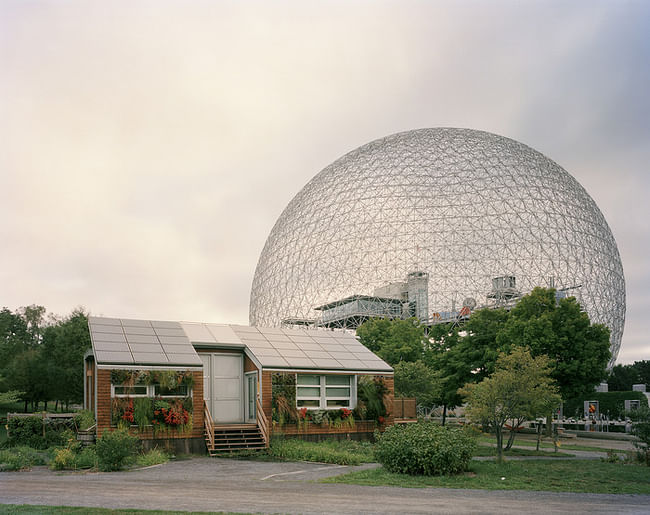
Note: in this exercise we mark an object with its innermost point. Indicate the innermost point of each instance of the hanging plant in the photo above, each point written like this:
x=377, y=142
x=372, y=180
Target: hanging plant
x=187, y=379
x=283, y=399
x=121, y=377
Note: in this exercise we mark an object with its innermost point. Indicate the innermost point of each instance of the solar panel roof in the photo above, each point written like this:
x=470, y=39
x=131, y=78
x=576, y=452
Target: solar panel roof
x=121, y=341
x=290, y=348
x=148, y=342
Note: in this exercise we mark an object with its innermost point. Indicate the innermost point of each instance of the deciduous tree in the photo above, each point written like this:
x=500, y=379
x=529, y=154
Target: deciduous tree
x=520, y=388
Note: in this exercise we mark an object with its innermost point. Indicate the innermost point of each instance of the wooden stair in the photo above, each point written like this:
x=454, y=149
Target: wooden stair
x=228, y=438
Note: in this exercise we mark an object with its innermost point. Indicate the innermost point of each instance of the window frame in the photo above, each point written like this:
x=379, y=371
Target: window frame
x=323, y=397
x=122, y=395
x=151, y=392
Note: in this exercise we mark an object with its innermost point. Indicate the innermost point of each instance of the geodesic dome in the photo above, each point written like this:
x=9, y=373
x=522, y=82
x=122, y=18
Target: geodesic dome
x=462, y=205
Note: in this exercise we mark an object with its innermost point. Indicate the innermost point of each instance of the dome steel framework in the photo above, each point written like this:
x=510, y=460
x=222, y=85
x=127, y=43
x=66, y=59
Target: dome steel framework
x=462, y=205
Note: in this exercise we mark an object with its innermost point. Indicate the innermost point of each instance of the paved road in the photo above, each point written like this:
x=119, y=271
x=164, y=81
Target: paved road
x=251, y=486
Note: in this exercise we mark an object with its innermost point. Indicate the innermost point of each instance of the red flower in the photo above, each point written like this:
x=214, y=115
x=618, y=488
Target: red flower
x=303, y=412
x=381, y=419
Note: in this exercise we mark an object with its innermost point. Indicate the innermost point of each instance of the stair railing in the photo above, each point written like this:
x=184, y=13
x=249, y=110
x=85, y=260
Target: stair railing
x=262, y=421
x=207, y=423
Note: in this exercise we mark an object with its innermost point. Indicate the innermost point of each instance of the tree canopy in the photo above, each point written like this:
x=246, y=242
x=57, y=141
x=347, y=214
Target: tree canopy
x=404, y=345
x=520, y=388
x=578, y=350
x=622, y=377
x=394, y=340
x=41, y=356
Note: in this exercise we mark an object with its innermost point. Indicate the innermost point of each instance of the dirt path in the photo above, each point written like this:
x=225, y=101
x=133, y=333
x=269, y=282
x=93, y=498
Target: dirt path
x=266, y=487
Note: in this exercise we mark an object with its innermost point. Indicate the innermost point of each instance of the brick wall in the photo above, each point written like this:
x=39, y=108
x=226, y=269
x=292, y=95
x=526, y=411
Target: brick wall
x=104, y=408
x=103, y=400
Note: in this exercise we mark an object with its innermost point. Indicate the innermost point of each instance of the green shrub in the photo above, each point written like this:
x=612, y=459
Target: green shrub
x=424, y=448
x=152, y=457
x=84, y=419
x=611, y=404
x=87, y=458
x=64, y=458
x=114, y=448
x=341, y=453
x=371, y=393
x=641, y=429
x=20, y=458
x=38, y=432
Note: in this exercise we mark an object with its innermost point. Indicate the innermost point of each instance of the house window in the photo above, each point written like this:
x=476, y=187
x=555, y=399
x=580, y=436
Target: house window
x=178, y=391
x=149, y=391
x=324, y=391
x=130, y=391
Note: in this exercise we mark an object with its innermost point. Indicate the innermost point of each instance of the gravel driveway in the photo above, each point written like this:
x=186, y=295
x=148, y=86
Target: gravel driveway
x=213, y=484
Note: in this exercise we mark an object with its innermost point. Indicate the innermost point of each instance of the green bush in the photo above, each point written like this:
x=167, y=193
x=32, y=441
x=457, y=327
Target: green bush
x=63, y=459
x=611, y=404
x=114, y=448
x=424, y=448
x=84, y=419
x=20, y=458
x=87, y=458
x=641, y=429
x=328, y=451
x=152, y=457
x=37, y=432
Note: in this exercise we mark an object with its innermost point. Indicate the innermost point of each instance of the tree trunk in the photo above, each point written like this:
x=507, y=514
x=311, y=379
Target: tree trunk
x=539, y=434
x=549, y=423
x=25, y=410
x=499, y=434
x=511, y=439
x=45, y=406
x=56, y=405
x=444, y=413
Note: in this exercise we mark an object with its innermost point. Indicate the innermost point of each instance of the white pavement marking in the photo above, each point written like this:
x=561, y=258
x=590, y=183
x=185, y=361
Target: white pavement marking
x=302, y=471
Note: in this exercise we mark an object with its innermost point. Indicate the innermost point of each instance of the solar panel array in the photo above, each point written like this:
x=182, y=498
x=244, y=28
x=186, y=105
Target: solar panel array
x=291, y=348
x=122, y=341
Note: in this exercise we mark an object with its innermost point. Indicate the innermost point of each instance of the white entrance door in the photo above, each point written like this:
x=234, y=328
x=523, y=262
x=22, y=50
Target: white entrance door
x=223, y=386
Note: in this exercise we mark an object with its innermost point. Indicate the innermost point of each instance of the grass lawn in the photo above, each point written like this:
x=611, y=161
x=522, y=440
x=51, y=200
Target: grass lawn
x=350, y=452
x=557, y=476
x=484, y=450
x=524, y=442
x=60, y=510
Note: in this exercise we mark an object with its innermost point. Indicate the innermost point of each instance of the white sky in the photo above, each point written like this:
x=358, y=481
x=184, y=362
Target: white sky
x=147, y=148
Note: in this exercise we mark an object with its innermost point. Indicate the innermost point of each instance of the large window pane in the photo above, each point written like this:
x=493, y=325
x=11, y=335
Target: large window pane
x=337, y=392
x=178, y=391
x=306, y=391
x=308, y=379
x=340, y=403
x=130, y=390
x=337, y=380
x=307, y=403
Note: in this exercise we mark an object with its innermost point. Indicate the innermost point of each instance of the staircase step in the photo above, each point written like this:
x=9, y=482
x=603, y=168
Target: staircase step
x=228, y=438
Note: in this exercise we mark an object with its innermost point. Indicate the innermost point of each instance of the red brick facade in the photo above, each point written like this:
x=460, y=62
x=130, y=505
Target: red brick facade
x=104, y=409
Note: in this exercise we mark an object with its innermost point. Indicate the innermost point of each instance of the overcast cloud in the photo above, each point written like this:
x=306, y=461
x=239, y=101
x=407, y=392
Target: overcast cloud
x=147, y=148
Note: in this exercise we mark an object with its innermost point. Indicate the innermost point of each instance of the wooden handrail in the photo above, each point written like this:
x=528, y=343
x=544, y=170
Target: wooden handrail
x=207, y=423
x=262, y=421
